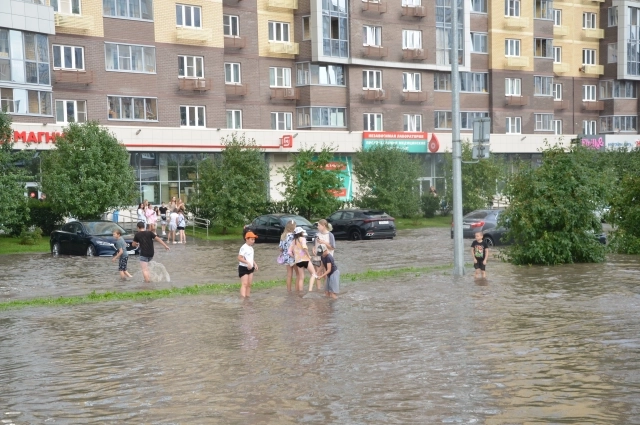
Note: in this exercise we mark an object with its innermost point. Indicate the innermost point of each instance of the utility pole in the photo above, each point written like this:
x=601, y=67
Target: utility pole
x=458, y=248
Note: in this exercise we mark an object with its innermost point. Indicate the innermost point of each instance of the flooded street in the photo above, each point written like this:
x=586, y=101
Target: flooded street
x=530, y=345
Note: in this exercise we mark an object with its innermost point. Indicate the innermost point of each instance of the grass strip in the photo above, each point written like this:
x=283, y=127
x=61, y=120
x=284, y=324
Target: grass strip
x=11, y=245
x=206, y=289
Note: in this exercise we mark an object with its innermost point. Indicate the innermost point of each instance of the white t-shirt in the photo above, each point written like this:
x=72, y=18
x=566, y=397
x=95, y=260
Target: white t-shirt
x=247, y=253
x=173, y=218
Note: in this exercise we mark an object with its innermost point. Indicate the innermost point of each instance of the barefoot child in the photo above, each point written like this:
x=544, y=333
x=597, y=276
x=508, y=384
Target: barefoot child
x=330, y=271
x=121, y=248
x=247, y=266
x=480, y=254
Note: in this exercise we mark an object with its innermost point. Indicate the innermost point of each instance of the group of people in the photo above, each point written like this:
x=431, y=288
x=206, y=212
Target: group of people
x=171, y=216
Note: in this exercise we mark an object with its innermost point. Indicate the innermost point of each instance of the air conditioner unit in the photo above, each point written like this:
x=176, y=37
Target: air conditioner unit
x=419, y=52
x=289, y=92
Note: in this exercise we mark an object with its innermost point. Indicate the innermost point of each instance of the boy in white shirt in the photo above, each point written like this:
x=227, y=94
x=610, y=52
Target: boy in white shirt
x=247, y=266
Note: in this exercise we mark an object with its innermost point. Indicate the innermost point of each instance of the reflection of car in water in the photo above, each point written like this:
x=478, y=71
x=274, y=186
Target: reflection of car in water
x=269, y=227
x=88, y=238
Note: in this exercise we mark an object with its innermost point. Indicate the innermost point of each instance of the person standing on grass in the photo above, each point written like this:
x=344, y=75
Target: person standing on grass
x=122, y=254
x=247, y=265
x=331, y=272
x=286, y=239
x=324, y=237
x=144, y=239
x=302, y=258
x=480, y=254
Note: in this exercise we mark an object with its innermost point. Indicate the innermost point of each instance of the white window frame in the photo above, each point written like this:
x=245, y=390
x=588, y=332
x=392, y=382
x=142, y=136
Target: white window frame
x=544, y=44
x=513, y=87
x=234, y=119
x=188, y=111
x=125, y=52
x=440, y=117
x=411, y=39
x=478, y=6
x=512, y=8
x=193, y=67
x=231, y=71
x=557, y=54
x=113, y=9
x=545, y=82
x=479, y=39
x=557, y=127
x=284, y=118
x=589, y=93
x=61, y=105
x=231, y=25
x=60, y=48
x=557, y=91
x=182, y=10
x=371, y=79
x=514, y=125
x=322, y=116
x=589, y=20
x=411, y=3
x=589, y=57
x=511, y=47
x=589, y=127
x=612, y=16
x=146, y=101
x=66, y=7
x=411, y=82
x=544, y=122
x=279, y=77
x=412, y=122
x=375, y=118
x=279, y=32
x=371, y=35
x=557, y=17
x=612, y=53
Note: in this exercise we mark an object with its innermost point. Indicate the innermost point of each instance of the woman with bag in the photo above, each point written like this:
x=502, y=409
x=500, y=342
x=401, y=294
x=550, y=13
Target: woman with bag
x=323, y=237
x=302, y=259
x=284, y=258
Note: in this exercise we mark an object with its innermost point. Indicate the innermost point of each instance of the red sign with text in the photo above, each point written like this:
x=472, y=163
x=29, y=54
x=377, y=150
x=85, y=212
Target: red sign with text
x=286, y=141
x=35, y=137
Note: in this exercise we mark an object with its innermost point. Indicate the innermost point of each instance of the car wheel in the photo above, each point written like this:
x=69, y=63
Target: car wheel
x=55, y=249
x=91, y=251
x=489, y=241
x=355, y=235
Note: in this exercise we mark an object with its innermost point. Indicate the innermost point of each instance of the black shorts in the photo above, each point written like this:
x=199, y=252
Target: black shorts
x=479, y=265
x=180, y=228
x=243, y=270
x=303, y=264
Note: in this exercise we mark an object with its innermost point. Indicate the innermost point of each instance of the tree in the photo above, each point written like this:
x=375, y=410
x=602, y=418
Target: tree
x=309, y=183
x=88, y=172
x=388, y=180
x=233, y=187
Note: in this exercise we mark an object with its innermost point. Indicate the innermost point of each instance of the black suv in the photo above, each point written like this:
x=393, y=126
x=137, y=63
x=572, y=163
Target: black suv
x=362, y=224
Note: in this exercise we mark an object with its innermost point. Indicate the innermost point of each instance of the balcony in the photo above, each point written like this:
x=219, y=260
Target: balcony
x=287, y=48
x=285, y=93
x=560, y=104
x=374, y=51
x=414, y=54
x=379, y=6
x=596, y=33
x=194, y=84
x=561, y=68
x=515, y=23
x=590, y=2
x=593, y=69
x=560, y=31
x=77, y=22
x=284, y=4
x=597, y=105
x=192, y=34
x=517, y=61
x=234, y=42
x=375, y=94
x=417, y=11
x=236, y=89
x=414, y=96
x=516, y=100
x=72, y=77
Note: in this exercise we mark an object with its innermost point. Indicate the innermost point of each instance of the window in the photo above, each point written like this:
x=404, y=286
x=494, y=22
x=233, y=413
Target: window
x=371, y=80
x=589, y=93
x=372, y=122
x=612, y=16
x=512, y=8
x=411, y=3
x=543, y=9
x=66, y=7
x=68, y=57
x=542, y=85
x=188, y=16
x=326, y=75
x=544, y=122
x=132, y=9
x=557, y=54
x=279, y=77
x=234, y=119
x=557, y=126
x=192, y=116
x=557, y=91
x=589, y=20
x=411, y=39
x=71, y=111
x=306, y=28
x=611, y=89
x=281, y=120
x=514, y=125
x=589, y=128
x=467, y=118
x=232, y=73
x=371, y=36
x=231, y=25
x=130, y=58
x=511, y=47
x=132, y=108
x=36, y=59
x=612, y=53
x=28, y=102
x=633, y=42
x=444, y=32
x=513, y=87
x=279, y=32
x=618, y=123
x=190, y=66
x=479, y=42
x=557, y=17
x=5, y=57
x=442, y=119
x=335, y=34
x=589, y=56
x=315, y=116
x=478, y=6
x=412, y=122
x=474, y=82
x=543, y=48
x=411, y=81
x=442, y=81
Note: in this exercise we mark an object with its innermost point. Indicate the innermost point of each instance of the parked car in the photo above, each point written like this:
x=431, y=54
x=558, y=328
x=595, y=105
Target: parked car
x=88, y=238
x=269, y=227
x=359, y=224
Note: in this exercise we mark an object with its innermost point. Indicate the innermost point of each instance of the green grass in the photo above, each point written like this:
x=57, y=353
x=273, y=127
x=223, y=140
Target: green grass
x=216, y=288
x=10, y=245
x=215, y=233
x=421, y=222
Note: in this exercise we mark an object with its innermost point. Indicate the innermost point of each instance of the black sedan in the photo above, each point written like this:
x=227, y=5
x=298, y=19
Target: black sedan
x=356, y=224
x=269, y=227
x=88, y=238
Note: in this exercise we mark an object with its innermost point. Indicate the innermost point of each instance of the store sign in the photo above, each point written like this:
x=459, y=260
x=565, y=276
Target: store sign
x=596, y=143
x=344, y=167
x=36, y=136
x=412, y=142
x=286, y=141
x=621, y=141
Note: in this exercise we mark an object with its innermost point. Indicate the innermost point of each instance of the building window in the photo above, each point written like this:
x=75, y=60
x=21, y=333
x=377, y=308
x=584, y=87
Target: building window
x=589, y=56
x=130, y=58
x=474, y=82
x=234, y=119
x=188, y=16
x=543, y=86
x=232, y=73
x=557, y=127
x=71, y=111
x=231, y=25
x=444, y=32
x=614, y=89
x=314, y=74
x=190, y=66
x=513, y=87
x=512, y=8
x=511, y=47
x=442, y=119
x=412, y=122
x=27, y=102
x=192, y=116
x=544, y=122
x=306, y=28
x=478, y=6
x=68, y=57
x=132, y=9
x=66, y=7
x=5, y=56
x=479, y=42
x=557, y=17
x=411, y=3
x=543, y=9
x=335, y=34
x=557, y=91
x=633, y=42
x=612, y=16
x=371, y=36
x=36, y=59
x=371, y=80
x=612, y=53
x=279, y=77
x=543, y=48
x=467, y=119
x=316, y=116
x=281, y=120
x=589, y=20
x=279, y=32
x=372, y=122
x=514, y=125
x=589, y=93
x=620, y=123
x=132, y=108
x=442, y=81
x=411, y=81
x=557, y=54
x=411, y=39
x=589, y=128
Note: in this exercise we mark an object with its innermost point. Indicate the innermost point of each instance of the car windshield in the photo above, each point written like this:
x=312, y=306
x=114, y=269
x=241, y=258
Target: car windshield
x=102, y=228
x=300, y=221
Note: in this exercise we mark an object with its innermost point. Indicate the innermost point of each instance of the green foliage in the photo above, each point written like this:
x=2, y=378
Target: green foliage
x=308, y=184
x=551, y=216
x=88, y=172
x=387, y=180
x=430, y=205
x=30, y=237
x=42, y=215
x=275, y=207
x=232, y=188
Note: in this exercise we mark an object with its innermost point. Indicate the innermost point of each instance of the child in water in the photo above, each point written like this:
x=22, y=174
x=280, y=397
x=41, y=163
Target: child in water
x=247, y=266
x=480, y=254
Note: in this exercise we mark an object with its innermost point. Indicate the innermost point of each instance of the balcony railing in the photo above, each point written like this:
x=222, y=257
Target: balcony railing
x=597, y=33
x=72, y=77
x=235, y=42
x=516, y=100
x=193, y=34
x=194, y=84
x=417, y=11
x=597, y=105
x=375, y=6
x=561, y=104
x=515, y=23
x=414, y=96
x=374, y=51
x=285, y=4
x=414, y=54
x=560, y=31
x=288, y=48
x=518, y=61
x=375, y=94
x=286, y=93
x=78, y=22
x=235, y=89
x=593, y=69
x=561, y=68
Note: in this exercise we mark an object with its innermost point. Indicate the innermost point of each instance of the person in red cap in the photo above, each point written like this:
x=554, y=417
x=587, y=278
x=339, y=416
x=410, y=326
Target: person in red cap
x=247, y=266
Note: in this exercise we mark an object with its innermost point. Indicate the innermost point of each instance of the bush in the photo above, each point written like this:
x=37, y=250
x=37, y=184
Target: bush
x=430, y=205
x=30, y=237
x=275, y=207
x=42, y=215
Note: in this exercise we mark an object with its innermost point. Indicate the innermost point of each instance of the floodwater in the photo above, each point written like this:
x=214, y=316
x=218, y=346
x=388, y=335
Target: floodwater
x=530, y=345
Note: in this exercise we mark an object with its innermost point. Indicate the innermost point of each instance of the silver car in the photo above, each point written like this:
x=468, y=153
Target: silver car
x=485, y=221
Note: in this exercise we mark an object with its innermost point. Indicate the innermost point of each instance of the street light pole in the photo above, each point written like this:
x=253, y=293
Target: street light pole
x=456, y=148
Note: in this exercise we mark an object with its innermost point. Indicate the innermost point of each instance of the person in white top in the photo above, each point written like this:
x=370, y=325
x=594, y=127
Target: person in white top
x=173, y=225
x=141, y=214
x=323, y=237
x=247, y=265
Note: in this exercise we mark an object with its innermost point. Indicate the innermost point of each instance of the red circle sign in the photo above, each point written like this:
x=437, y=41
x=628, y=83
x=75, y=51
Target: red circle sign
x=434, y=145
